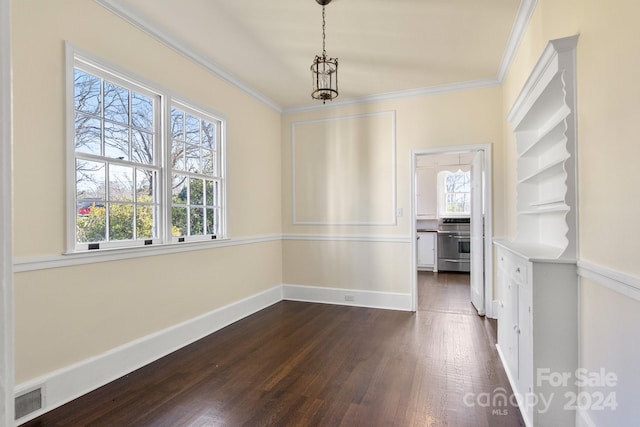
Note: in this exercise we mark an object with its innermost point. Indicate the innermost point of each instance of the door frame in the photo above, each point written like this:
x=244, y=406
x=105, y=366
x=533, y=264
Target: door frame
x=6, y=220
x=488, y=223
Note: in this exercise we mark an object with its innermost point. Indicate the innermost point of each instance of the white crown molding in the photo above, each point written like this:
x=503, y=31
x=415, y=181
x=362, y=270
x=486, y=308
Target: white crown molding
x=91, y=257
x=615, y=280
x=558, y=55
x=515, y=38
x=523, y=16
x=182, y=48
x=398, y=95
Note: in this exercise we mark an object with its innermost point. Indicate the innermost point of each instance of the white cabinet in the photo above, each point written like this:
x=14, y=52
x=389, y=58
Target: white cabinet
x=537, y=281
x=538, y=332
x=507, y=315
x=426, y=250
x=426, y=193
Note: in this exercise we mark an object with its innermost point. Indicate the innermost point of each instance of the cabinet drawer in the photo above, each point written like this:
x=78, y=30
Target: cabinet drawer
x=519, y=271
x=504, y=261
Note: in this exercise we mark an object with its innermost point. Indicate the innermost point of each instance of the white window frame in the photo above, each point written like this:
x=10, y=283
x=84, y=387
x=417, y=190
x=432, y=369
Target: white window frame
x=162, y=147
x=442, y=194
x=219, y=165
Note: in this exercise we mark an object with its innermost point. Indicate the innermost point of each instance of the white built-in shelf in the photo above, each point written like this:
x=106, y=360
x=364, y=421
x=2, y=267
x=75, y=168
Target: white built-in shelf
x=536, y=275
x=544, y=202
x=546, y=206
x=550, y=135
x=546, y=210
x=543, y=120
x=550, y=169
x=546, y=97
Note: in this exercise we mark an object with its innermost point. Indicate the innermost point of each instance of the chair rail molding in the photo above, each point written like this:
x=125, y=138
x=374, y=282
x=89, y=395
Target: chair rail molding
x=617, y=281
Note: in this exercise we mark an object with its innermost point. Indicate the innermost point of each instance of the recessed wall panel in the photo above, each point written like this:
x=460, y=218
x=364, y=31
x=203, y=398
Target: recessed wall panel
x=343, y=170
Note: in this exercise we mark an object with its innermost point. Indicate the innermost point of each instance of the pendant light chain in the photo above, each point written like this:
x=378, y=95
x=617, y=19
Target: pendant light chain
x=324, y=70
x=324, y=51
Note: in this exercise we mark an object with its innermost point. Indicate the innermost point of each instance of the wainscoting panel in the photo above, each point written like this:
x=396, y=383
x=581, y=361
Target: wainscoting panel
x=344, y=170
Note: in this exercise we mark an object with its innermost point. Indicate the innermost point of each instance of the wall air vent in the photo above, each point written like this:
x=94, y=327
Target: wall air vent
x=28, y=402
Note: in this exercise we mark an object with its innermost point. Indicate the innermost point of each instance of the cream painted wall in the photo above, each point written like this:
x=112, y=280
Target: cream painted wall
x=453, y=119
x=341, y=169
x=608, y=153
x=370, y=266
x=66, y=315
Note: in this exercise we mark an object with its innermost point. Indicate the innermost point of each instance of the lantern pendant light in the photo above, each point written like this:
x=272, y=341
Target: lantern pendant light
x=324, y=70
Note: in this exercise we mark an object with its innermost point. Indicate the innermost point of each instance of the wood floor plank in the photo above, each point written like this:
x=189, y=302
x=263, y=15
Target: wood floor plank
x=303, y=364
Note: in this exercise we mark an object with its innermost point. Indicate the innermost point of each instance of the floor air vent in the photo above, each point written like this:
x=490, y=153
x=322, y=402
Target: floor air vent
x=29, y=402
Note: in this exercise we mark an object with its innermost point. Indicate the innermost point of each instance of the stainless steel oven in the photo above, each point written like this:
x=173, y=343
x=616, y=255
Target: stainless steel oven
x=454, y=245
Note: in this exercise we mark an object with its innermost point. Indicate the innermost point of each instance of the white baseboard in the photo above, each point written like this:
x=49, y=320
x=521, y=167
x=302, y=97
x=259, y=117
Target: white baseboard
x=352, y=297
x=64, y=385
x=512, y=383
x=495, y=309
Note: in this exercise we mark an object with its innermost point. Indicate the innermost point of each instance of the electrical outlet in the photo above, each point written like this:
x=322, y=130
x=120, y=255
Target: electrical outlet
x=349, y=298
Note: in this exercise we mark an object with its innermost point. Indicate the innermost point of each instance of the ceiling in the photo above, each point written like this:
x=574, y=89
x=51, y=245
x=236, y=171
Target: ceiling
x=386, y=48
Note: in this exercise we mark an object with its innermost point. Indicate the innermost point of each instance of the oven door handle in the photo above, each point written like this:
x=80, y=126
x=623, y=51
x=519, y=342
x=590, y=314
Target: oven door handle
x=458, y=236
x=454, y=260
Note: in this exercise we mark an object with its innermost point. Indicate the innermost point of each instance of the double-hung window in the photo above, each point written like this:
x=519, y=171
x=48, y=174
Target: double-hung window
x=195, y=176
x=454, y=191
x=147, y=168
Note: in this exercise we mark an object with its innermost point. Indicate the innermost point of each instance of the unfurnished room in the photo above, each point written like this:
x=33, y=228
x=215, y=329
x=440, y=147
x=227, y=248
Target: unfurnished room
x=319, y=213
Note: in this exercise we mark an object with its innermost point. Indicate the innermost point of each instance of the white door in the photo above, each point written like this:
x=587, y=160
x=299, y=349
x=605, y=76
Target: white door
x=477, y=232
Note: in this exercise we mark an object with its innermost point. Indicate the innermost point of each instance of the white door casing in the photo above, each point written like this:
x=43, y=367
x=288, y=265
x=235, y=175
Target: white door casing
x=477, y=233
x=6, y=269
x=486, y=153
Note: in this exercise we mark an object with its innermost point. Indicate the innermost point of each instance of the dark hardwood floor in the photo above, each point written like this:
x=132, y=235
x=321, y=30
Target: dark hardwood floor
x=303, y=364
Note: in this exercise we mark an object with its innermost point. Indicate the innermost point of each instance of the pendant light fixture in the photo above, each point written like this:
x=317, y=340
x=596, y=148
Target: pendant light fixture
x=324, y=71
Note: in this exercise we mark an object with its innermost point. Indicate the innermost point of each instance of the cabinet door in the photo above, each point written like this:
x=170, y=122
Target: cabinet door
x=508, y=320
x=511, y=306
x=525, y=345
x=426, y=193
x=507, y=338
x=426, y=249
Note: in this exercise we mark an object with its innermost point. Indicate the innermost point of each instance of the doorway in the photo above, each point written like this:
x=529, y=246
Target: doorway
x=477, y=162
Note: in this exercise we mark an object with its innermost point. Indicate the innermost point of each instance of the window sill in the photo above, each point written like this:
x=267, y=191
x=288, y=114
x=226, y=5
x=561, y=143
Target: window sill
x=115, y=254
x=158, y=247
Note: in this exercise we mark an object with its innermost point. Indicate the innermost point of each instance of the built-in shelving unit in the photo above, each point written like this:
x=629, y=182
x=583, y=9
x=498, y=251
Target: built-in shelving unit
x=543, y=120
x=537, y=279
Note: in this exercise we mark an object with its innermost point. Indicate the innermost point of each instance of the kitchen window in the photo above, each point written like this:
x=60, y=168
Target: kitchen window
x=142, y=173
x=454, y=193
